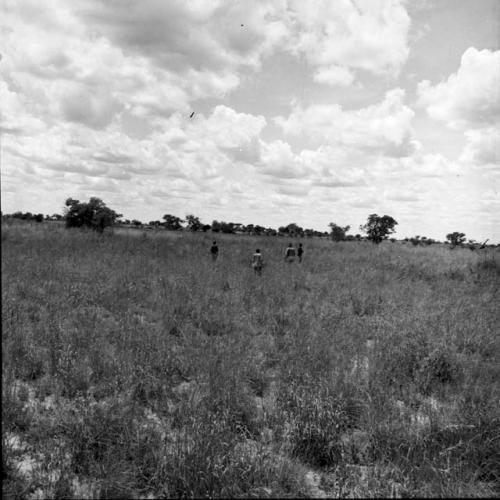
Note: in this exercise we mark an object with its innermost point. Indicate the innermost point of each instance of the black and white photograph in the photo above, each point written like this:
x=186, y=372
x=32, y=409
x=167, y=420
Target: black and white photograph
x=250, y=248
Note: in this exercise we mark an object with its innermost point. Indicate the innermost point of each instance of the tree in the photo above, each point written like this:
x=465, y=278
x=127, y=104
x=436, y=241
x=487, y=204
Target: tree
x=292, y=229
x=172, y=222
x=338, y=232
x=258, y=230
x=193, y=223
x=216, y=226
x=93, y=214
x=456, y=238
x=378, y=228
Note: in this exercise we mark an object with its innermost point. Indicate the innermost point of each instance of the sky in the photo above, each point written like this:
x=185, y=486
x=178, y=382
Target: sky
x=305, y=111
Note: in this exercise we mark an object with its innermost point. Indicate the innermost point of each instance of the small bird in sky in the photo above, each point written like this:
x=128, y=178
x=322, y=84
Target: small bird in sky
x=191, y=115
x=242, y=25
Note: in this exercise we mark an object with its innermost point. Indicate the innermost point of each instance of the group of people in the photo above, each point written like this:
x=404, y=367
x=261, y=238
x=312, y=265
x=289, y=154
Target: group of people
x=257, y=259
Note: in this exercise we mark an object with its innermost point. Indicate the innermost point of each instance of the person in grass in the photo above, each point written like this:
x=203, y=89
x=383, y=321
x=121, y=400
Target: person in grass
x=257, y=262
x=214, y=251
x=290, y=253
x=300, y=252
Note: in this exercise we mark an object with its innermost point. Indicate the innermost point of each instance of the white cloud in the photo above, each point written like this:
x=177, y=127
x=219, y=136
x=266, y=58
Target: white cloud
x=279, y=161
x=364, y=34
x=178, y=35
x=468, y=98
x=482, y=147
x=334, y=75
x=384, y=127
x=469, y=101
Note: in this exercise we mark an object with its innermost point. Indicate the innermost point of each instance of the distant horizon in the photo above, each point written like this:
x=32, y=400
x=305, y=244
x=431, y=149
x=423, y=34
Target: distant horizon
x=352, y=230
x=267, y=113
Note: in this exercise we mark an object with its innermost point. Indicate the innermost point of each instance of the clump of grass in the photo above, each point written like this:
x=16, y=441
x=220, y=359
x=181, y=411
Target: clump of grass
x=316, y=418
x=439, y=367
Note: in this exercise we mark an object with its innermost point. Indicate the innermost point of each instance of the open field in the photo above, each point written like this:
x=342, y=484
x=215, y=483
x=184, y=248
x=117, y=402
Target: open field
x=135, y=367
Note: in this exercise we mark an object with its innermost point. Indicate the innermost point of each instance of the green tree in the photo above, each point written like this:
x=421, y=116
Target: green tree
x=456, y=238
x=338, y=233
x=172, y=222
x=93, y=214
x=379, y=228
x=293, y=229
x=193, y=222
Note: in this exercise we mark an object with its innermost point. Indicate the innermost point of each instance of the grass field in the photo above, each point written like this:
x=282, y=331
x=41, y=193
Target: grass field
x=132, y=366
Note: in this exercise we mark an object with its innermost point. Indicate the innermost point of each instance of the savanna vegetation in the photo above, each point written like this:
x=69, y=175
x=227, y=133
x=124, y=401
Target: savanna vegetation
x=134, y=366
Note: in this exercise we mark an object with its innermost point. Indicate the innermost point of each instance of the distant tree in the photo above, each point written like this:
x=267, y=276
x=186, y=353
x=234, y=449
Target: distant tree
x=154, y=223
x=93, y=214
x=193, y=223
x=258, y=230
x=455, y=238
x=136, y=222
x=270, y=231
x=38, y=218
x=338, y=233
x=378, y=228
x=292, y=229
x=205, y=227
x=172, y=222
x=216, y=226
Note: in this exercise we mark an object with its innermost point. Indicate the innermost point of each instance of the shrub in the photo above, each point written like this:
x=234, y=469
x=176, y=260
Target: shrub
x=94, y=214
x=439, y=367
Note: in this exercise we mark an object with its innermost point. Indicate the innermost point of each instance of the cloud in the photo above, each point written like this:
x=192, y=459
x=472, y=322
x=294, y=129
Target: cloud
x=337, y=36
x=183, y=35
x=469, y=98
x=93, y=110
x=279, y=161
x=482, y=147
x=384, y=128
x=469, y=101
x=334, y=75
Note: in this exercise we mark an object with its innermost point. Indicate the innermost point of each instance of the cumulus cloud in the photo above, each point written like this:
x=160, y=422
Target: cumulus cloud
x=279, y=161
x=468, y=98
x=182, y=35
x=334, y=75
x=338, y=36
x=469, y=101
x=384, y=127
x=482, y=147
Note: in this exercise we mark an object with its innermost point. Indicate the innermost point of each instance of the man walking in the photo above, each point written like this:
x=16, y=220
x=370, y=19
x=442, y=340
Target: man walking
x=214, y=251
x=257, y=262
x=300, y=252
x=290, y=253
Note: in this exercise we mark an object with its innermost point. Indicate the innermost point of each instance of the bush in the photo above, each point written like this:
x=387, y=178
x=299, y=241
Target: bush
x=94, y=214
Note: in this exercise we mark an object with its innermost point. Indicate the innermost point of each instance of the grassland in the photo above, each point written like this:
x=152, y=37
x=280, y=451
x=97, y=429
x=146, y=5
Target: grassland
x=132, y=366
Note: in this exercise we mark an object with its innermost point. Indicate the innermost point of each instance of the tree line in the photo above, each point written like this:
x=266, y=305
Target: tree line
x=95, y=214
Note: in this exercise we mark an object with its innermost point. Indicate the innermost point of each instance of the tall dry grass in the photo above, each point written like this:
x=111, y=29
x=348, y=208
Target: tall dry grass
x=132, y=365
